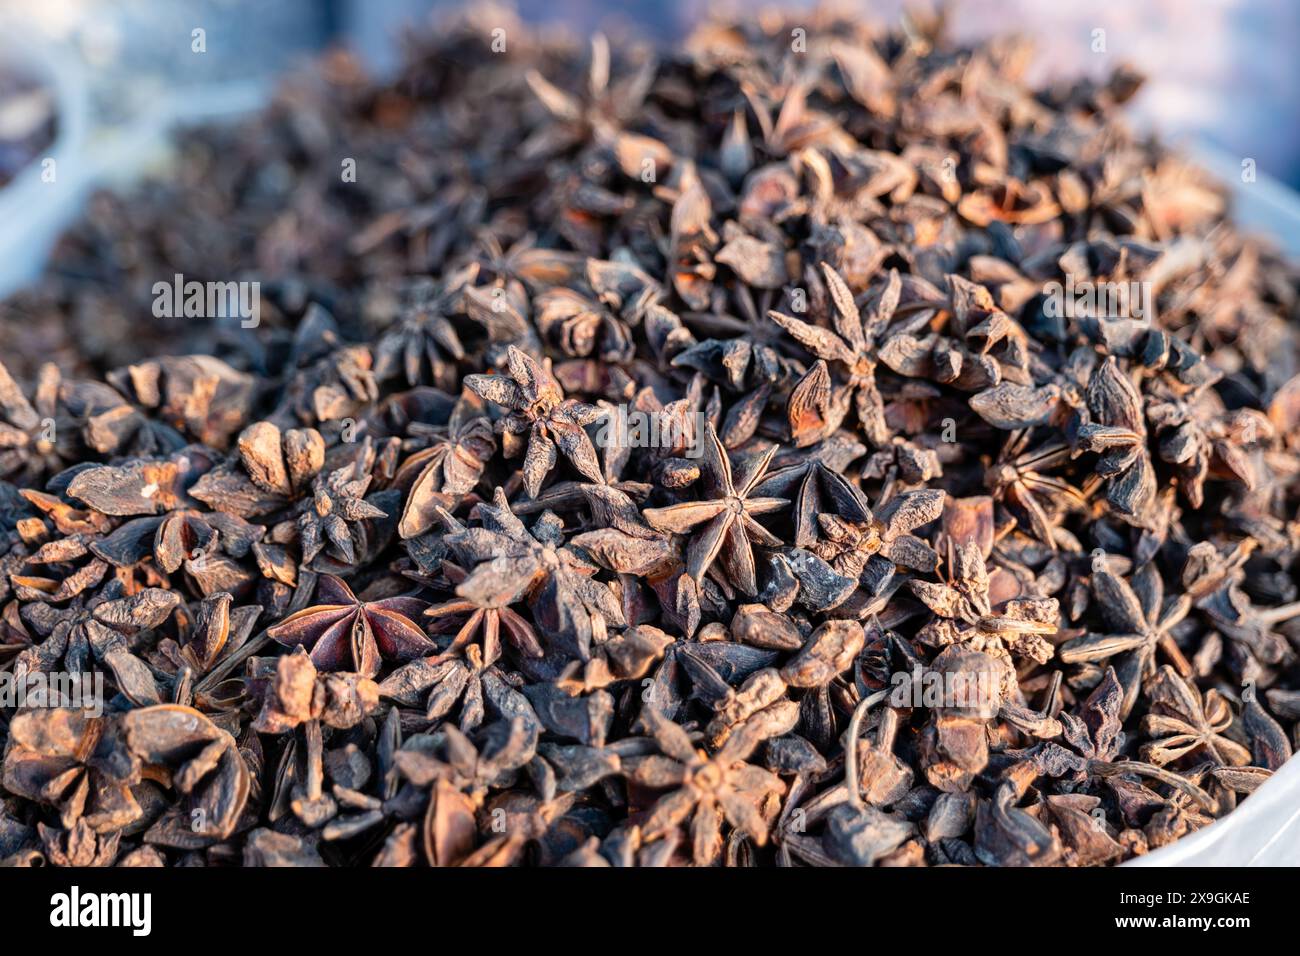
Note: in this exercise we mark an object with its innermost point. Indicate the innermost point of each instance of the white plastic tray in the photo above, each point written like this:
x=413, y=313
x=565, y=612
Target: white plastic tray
x=1263, y=831
x=34, y=212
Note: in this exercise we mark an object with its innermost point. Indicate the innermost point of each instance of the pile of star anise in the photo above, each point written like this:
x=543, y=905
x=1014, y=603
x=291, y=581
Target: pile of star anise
x=381, y=581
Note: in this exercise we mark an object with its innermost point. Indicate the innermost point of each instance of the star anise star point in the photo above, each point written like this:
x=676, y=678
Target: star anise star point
x=726, y=518
x=540, y=420
x=343, y=632
x=706, y=789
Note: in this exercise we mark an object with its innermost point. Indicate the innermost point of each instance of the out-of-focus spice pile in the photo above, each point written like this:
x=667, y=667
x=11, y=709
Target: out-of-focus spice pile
x=400, y=576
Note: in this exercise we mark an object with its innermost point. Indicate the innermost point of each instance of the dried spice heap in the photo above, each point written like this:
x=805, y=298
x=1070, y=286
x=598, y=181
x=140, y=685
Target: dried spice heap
x=383, y=581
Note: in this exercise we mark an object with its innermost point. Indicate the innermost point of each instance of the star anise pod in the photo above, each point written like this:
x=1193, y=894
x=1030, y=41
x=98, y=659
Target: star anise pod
x=201, y=655
x=1019, y=479
x=539, y=410
x=1190, y=433
x=726, y=514
x=446, y=465
x=627, y=656
x=536, y=564
x=1140, y=621
x=1180, y=815
x=598, y=115
x=424, y=335
x=704, y=788
x=36, y=435
x=292, y=692
x=579, y=326
x=281, y=463
x=197, y=760
x=273, y=469
x=115, y=426
x=1097, y=733
x=351, y=770
x=344, y=632
x=198, y=394
x=853, y=345
x=849, y=545
x=338, y=385
x=692, y=241
x=756, y=349
x=460, y=777
x=331, y=519
x=1182, y=721
x=70, y=759
x=966, y=615
x=1253, y=628
x=1093, y=734
x=103, y=626
x=1118, y=431
x=483, y=601
x=523, y=261
x=681, y=431
x=59, y=570
x=440, y=683
x=817, y=492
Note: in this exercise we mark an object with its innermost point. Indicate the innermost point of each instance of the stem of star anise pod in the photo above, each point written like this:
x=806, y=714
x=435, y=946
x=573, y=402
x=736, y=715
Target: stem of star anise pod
x=851, y=746
x=1113, y=768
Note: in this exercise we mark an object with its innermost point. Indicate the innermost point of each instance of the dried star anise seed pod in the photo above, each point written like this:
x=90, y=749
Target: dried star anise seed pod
x=331, y=519
x=344, y=632
x=71, y=760
x=705, y=789
x=36, y=435
x=293, y=692
x=282, y=463
x=541, y=420
x=723, y=524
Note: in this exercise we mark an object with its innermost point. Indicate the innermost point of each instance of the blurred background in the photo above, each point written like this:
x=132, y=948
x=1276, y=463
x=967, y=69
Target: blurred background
x=1223, y=76
x=1224, y=71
